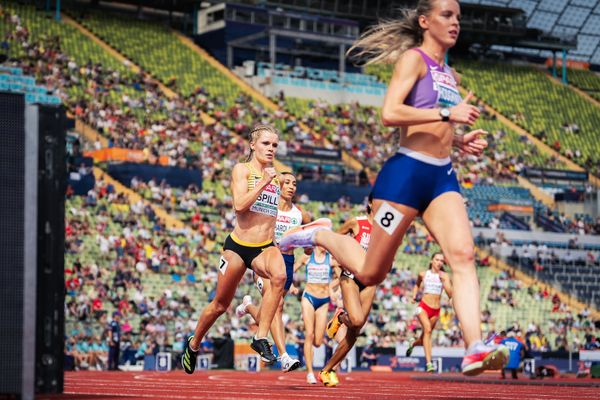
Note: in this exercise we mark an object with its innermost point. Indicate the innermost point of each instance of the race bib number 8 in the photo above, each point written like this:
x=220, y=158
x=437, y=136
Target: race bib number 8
x=388, y=218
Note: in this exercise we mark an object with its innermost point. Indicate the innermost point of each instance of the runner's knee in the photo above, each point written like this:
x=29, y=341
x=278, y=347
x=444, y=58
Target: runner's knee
x=461, y=256
x=356, y=321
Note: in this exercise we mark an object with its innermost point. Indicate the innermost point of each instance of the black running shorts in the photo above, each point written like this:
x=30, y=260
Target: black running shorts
x=247, y=251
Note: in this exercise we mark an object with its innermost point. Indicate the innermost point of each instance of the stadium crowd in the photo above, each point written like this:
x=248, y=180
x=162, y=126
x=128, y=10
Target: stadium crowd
x=115, y=249
x=128, y=246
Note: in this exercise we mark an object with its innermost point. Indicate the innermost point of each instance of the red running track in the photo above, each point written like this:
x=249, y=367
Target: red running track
x=238, y=385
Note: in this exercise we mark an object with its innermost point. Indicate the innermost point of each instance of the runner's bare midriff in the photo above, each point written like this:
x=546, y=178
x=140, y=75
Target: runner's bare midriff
x=432, y=139
x=432, y=300
x=317, y=289
x=254, y=227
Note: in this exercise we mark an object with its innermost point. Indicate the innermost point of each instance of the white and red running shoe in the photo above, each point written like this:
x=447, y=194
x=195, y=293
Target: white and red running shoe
x=481, y=357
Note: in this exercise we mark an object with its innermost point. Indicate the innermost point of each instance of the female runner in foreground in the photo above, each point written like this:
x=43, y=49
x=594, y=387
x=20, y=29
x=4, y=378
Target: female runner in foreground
x=424, y=100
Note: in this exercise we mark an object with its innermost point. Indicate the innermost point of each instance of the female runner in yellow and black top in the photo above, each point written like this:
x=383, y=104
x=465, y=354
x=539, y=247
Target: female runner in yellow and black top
x=255, y=191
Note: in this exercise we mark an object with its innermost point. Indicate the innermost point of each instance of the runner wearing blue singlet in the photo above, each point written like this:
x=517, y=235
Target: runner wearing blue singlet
x=315, y=301
x=423, y=99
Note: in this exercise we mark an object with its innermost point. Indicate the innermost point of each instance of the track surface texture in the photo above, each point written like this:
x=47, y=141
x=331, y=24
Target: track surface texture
x=274, y=385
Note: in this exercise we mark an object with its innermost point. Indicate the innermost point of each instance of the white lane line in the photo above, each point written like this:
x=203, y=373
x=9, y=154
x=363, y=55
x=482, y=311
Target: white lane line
x=158, y=392
x=407, y=388
x=300, y=381
x=338, y=393
x=466, y=389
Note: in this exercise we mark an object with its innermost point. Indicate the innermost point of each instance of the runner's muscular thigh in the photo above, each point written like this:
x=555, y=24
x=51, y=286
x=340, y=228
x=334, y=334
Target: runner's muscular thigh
x=388, y=231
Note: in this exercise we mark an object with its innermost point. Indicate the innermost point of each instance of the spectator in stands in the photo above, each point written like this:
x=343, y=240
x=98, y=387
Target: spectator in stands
x=363, y=178
x=585, y=313
x=560, y=343
x=413, y=99
x=556, y=303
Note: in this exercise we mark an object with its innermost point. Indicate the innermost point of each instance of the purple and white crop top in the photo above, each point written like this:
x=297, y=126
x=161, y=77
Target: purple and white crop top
x=437, y=88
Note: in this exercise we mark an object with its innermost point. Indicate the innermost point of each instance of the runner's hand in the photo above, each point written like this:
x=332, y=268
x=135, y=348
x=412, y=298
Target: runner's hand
x=268, y=175
x=463, y=112
x=473, y=142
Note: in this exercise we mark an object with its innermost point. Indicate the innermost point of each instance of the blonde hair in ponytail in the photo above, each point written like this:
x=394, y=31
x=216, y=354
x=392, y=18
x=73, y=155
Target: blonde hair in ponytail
x=255, y=134
x=386, y=41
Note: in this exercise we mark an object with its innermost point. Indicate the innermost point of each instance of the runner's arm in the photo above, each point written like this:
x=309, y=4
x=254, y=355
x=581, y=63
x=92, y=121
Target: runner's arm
x=417, y=286
x=447, y=284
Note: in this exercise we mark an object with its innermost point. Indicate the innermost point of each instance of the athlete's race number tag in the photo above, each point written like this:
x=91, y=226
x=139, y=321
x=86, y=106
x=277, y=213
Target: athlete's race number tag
x=388, y=218
x=259, y=284
x=223, y=263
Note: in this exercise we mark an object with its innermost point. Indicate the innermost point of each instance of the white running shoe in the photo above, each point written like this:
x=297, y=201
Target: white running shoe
x=310, y=378
x=302, y=236
x=242, y=309
x=288, y=363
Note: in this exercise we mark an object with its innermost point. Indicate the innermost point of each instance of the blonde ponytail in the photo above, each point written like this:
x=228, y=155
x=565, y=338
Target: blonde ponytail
x=386, y=41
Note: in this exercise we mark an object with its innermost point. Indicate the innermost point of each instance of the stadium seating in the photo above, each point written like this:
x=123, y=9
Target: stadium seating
x=356, y=129
x=587, y=81
x=348, y=78
x=176, y=65
x=514, y=147
x=126, y=108
x=119, y=81
x=510, y=148
x=574, y=271
x=108, y=238
x=164, y=56
x=406, y=267
x=562, y=118
x=41, y=25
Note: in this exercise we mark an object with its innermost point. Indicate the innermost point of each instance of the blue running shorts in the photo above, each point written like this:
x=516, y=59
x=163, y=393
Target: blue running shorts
x=414, y=179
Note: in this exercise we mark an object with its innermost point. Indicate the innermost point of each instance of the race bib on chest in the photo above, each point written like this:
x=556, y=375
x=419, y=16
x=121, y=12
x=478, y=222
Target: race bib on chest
x=364, y=239
x=445, y=85
x=318, y=274
x=267, y=200
x=287, y=220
